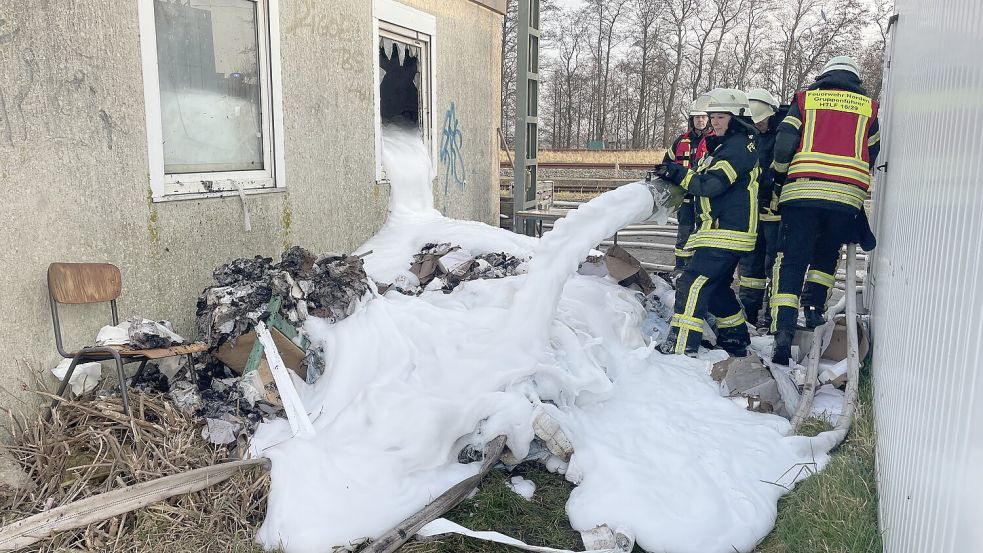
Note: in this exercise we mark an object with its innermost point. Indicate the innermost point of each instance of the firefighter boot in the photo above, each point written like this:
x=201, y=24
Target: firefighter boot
x=783, y=347
x=668, y=346
x=814, y=317
x=734, y=340
x=765, y=324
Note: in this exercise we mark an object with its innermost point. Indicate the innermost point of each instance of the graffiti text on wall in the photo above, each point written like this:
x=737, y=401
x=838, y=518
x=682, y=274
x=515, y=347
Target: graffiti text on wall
x=451, y=141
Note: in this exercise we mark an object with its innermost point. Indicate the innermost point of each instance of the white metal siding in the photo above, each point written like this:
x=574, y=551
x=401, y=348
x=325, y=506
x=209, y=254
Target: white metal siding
x=926, y=282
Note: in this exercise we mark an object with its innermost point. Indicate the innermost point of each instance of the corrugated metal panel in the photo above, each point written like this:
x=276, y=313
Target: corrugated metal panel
x=927, y=309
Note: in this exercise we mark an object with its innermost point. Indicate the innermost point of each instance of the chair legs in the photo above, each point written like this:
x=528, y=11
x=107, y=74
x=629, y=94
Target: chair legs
x=119, y=372
x=71, y=369
x=139, y=373
x=191, y=371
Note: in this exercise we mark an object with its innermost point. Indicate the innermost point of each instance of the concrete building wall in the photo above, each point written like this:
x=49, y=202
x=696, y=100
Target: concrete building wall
x=74, y=180
x=926, y=282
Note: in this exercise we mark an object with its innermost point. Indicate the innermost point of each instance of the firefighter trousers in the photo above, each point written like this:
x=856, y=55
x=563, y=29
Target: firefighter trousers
x=811, y=238
x=705, y=286
x=686, y=216
x=755, y=267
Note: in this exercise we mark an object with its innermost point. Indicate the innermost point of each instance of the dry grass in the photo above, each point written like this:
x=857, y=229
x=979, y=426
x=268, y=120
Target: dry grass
x=90, y=447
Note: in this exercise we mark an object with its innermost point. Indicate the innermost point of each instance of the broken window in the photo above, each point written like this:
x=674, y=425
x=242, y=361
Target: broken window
x=404, y=93
x=402, y=83
x=210, y=117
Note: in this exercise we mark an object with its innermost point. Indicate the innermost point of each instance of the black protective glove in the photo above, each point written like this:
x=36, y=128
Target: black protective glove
x=666, y=193
x=862, y=234
x=671, y=172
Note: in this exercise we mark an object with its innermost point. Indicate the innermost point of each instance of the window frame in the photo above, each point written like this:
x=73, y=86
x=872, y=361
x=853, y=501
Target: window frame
x=190, y=186
x=387, y=17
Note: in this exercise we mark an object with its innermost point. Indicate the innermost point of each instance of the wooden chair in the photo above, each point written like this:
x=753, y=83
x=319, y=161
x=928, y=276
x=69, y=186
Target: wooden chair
x=84, y=283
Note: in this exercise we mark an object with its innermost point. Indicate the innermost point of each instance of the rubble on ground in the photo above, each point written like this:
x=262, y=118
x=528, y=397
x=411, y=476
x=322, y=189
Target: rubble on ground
x=226, y=392
x=216, y=395
x=329, y=287
x=445, y=266
x=220, y=390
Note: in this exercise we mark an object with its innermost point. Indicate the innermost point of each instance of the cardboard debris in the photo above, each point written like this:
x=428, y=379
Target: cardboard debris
x=837, y=348
x=835, y=339
x=626, y=269
x=456, y=262
x=748, y=379
x=235, y=354
x=833, y=372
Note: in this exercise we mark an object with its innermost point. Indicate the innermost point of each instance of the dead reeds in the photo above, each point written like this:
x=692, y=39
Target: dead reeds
x=89, y=448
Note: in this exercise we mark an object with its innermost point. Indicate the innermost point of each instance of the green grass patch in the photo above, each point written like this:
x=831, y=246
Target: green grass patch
x=835, y=511
x=542, y=521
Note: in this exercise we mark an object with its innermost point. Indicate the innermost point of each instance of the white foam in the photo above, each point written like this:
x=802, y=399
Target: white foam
x=411, y=380
x=522, y=487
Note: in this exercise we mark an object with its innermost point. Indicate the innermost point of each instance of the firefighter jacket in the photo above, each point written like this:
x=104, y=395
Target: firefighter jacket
x=689, y=148
x=767, y=192
x=827, y=144
x=725, y=190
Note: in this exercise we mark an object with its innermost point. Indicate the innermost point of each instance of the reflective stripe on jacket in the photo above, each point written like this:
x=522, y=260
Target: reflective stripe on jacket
x=832, y=162
x=725, y=190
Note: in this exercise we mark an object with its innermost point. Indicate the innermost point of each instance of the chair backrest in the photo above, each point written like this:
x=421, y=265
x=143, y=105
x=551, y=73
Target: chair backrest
x=77, y=283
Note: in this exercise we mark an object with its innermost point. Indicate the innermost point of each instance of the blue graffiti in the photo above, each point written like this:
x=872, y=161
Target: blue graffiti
x=450, y=151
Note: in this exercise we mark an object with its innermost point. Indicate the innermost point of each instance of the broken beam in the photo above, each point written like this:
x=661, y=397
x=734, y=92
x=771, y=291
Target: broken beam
x=24, y=532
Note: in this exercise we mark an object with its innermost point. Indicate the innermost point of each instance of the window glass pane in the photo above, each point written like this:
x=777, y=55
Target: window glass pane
x=210, y=98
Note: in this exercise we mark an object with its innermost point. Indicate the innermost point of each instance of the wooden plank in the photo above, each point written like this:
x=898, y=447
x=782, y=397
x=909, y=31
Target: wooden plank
x=78, y=283
x=96, y=508
x=161, y=353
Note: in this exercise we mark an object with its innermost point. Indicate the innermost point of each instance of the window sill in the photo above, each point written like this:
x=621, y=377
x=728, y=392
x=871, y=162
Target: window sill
x=177, y=197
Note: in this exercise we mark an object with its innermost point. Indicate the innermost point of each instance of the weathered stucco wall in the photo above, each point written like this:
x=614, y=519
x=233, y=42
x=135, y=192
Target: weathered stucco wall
x=74, y=171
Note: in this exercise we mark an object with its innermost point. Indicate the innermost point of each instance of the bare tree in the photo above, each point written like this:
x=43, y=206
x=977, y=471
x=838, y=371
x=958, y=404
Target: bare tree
x=635, y=95
x=677, y=15
x=608, y=13
x=727, y=13
x=872, y=57
x=647, y=13
x=791, y=23
x=752, y=39
x=510, y=52
x=568, y=39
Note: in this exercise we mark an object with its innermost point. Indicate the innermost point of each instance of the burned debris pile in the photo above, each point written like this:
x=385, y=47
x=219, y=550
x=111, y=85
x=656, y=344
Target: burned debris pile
x=329, y=287
x=445, y=266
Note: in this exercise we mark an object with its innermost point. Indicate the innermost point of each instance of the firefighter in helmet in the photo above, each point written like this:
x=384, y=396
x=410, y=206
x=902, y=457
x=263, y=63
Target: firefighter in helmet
x=687, y=151
x=755, y=267
x=724, y=186
x=824, y=153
